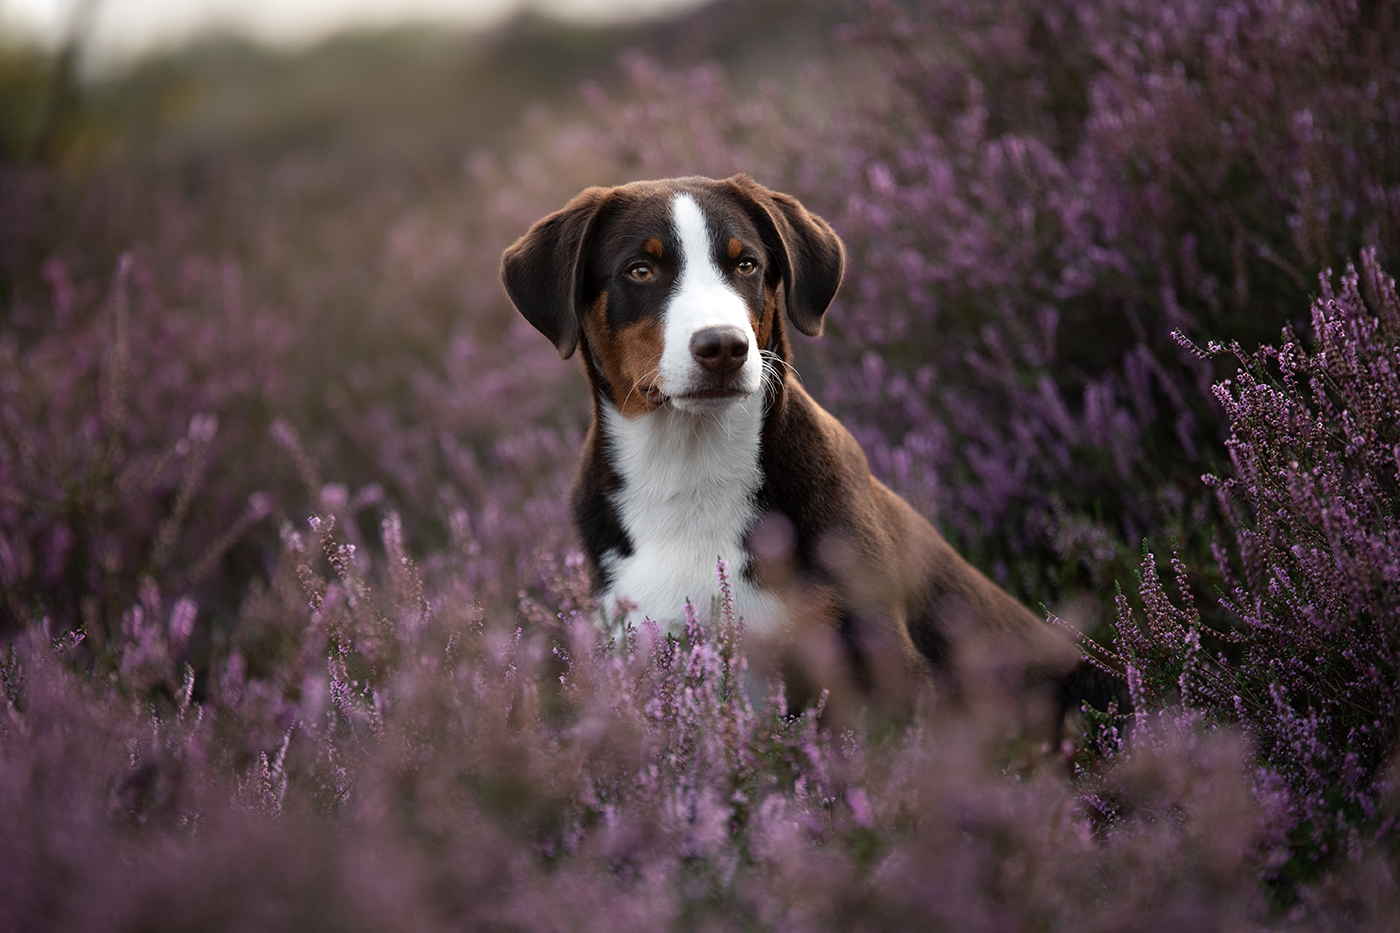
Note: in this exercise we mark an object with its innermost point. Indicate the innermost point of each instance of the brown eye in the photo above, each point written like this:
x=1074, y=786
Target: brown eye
x=746, y=266
x=640, y=272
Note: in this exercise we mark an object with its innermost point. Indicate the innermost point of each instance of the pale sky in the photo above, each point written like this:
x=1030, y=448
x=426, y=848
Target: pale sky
x=125, y=28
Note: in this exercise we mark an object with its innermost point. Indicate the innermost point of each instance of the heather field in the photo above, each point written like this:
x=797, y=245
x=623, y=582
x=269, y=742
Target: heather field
x=294, y=633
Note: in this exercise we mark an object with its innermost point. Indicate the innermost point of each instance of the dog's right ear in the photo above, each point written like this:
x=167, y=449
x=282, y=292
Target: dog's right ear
x=543, y=271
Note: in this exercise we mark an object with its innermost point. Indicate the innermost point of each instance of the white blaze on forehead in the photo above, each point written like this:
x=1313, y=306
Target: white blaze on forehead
x=702, y=298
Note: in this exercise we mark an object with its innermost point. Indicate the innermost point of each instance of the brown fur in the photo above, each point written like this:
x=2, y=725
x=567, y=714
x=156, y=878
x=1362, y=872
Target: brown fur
x=627, y=357
x=884, y=602
x=763, y=322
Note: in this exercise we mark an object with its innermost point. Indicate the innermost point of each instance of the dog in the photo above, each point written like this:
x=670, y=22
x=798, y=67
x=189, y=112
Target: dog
x=703, y=445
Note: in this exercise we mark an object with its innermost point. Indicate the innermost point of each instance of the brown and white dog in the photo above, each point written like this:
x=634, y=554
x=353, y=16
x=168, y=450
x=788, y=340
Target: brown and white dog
x=704, y=445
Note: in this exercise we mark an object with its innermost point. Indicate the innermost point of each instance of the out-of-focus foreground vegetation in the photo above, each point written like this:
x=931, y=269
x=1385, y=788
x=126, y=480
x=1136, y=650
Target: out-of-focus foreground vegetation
x=297, y=632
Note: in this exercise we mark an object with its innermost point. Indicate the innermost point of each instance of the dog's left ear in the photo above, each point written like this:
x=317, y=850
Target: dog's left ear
x=543, y=271
x=807, y=252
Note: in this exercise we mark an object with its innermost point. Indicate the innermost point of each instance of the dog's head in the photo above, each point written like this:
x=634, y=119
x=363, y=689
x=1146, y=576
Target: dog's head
x=671, y=286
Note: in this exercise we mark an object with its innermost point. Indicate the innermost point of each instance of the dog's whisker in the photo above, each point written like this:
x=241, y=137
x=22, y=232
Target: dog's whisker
x=770, y=357
x=637, y=383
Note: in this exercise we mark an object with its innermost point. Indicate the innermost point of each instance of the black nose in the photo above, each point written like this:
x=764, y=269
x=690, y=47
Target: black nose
x=721, y=350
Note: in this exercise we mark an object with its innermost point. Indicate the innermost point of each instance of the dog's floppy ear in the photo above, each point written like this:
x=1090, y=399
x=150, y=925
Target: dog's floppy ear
x=808, y=253
x=543, y=271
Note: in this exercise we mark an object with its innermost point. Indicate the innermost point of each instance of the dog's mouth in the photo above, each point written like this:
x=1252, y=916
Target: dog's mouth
x=658, y=398
x=717, y=392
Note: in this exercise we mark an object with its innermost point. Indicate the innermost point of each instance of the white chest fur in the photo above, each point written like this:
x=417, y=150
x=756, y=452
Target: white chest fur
x=686, y=502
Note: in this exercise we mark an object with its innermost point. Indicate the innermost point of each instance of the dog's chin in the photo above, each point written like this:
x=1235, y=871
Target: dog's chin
x=708, y=404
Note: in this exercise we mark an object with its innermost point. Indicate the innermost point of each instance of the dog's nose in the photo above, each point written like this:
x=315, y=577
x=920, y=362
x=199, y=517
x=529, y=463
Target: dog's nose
x=720, y=349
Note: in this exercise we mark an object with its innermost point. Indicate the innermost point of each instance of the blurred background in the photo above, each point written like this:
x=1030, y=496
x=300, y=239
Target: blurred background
x=182, y=68
x=112, y=34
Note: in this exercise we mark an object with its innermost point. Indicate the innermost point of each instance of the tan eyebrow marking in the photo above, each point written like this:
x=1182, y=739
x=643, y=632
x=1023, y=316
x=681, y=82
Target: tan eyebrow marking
x=653, y=247
x=735, y=248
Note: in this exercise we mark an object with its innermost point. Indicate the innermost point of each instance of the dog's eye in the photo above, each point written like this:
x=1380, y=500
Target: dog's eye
x=746, y=266
x=640, y=272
